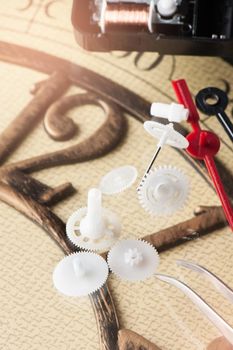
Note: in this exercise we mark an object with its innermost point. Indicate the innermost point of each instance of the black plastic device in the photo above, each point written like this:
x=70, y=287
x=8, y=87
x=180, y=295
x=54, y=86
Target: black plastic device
x=199, y=27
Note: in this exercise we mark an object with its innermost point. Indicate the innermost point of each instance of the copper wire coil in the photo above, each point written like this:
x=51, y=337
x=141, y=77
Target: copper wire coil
x=126, y=17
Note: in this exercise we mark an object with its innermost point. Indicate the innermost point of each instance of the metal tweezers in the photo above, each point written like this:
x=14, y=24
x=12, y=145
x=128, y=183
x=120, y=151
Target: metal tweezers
x=206, y=309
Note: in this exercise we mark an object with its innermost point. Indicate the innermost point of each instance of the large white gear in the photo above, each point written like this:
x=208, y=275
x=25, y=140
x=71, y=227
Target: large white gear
x=112, y=232
x=80, y=274
x=133, y=260
x=163, y=191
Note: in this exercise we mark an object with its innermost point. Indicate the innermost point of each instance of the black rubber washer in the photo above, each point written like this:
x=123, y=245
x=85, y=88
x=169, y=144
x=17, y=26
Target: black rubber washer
x=216, y=94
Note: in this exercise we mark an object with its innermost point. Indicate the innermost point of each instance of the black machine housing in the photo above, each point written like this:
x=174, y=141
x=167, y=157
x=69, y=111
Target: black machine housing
x=205, y=28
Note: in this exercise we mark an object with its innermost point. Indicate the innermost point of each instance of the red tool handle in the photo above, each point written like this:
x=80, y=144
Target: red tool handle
x=210, y=164
x=184, y=97
x=203, y=145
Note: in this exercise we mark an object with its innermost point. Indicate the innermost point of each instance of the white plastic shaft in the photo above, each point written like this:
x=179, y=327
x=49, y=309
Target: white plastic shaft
x=174, y=112
x=94, y=204
x=79, y=269
x=93, y=225
x=165, y=136
x=167, y=8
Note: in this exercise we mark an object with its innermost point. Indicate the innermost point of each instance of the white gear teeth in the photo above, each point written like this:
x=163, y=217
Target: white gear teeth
x=93, y=228
x=163, y=191
x=80, y=274
x=133, y=260
x=118, y=180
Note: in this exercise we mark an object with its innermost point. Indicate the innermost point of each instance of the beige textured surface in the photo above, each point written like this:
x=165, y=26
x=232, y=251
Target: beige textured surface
x=32, y=315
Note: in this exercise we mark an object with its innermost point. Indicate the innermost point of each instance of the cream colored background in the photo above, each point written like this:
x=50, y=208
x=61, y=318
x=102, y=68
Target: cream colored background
x=32, y=314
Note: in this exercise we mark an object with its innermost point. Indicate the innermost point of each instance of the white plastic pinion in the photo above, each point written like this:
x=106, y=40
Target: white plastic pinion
x=173, y=112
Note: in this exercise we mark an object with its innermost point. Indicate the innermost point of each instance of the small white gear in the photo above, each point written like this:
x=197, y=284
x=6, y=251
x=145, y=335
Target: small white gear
x=163, y=191
x=133, y=260
x=112, y=224
x=118, y=180
x=80, y=274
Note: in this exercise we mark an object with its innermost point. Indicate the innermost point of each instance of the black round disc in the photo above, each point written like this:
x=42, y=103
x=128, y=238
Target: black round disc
x=211, y=100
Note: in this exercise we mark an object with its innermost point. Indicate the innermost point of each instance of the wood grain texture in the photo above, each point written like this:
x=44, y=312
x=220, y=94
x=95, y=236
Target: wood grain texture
x=107, y=321
x=28, y=118
x=108, y=136
x=38, y=191
x=103, y=305
x=29, y=196
x=39, y=214
x=129, y=340
x=79, y=76
x=129, y=101
x=56, y=123
x=104, y=309
x=208, y=221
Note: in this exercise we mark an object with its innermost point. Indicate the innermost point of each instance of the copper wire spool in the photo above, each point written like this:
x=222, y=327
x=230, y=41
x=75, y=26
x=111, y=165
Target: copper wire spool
x=126, y=17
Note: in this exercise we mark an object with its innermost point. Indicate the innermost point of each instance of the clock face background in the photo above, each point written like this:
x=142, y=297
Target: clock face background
x=33, y=315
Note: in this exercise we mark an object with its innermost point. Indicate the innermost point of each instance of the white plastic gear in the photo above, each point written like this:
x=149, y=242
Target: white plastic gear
x=80, y=274
x=133, y=257
x=118, y=180
x=163, y=191
x=166, y=134
x=133, y=260
x=101, y=244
